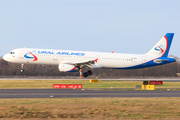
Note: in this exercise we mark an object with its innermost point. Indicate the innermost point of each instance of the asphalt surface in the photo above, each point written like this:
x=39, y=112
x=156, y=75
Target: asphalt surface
x=78, y=93
x=101, y=79
x=74, y=93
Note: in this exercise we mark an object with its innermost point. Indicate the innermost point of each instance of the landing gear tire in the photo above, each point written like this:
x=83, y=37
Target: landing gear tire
x=89, y=72
x=22, y=71
x=85, y=74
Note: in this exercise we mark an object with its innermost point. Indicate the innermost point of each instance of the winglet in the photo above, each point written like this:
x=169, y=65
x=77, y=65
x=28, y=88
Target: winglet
x=113, y=52
x=96, y=60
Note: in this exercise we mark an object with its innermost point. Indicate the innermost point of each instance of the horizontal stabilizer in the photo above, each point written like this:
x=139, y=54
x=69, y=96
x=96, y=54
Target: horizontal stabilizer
x=164, y=59
x=160, y=60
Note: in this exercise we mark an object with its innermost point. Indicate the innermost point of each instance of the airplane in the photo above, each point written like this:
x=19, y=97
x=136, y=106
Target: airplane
x=72, y=61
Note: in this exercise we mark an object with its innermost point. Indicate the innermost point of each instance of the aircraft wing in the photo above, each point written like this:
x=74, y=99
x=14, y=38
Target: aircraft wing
x=88, y=63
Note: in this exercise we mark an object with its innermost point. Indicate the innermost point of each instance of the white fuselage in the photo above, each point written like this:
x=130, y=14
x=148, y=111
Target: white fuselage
x=55, y=57
x=71, y=61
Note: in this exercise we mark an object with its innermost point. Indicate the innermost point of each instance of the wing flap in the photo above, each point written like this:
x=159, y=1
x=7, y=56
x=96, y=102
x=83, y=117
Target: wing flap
x=88, y=63
x=78, y=62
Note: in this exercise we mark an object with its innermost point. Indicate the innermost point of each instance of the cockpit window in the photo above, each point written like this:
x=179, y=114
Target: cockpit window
x=12, y=52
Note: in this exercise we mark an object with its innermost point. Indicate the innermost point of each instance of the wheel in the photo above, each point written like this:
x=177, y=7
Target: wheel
x=85, y=74
x=89, y=72
x=22, y=71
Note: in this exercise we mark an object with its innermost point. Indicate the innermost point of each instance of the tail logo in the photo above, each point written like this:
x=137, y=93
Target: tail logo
x=159, y=48
x=31, y=55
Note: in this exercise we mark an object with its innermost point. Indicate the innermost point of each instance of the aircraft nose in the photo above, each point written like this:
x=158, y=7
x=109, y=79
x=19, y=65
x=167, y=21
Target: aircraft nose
x=5, y=57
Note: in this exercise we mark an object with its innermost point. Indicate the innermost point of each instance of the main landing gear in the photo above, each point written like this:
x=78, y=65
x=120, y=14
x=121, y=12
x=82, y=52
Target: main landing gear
x=22, y=68
x=88, y=73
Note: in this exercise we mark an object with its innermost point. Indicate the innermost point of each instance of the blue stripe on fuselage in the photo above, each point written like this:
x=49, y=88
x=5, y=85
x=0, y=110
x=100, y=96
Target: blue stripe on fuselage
x=151, y=63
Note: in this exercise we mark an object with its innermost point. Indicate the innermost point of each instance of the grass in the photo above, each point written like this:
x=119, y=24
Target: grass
x=88, y=108
x=91, y=108
x=4, y=84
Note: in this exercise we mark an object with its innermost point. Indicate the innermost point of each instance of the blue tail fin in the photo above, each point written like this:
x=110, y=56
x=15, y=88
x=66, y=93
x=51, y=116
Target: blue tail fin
x=161, y=49
x=169, y=38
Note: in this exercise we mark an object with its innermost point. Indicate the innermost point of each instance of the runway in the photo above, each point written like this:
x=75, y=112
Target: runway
x=71, y=93
x=101, y=79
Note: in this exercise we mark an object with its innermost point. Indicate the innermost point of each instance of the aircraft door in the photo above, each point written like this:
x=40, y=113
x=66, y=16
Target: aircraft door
x=144, y=60
x=21, y=54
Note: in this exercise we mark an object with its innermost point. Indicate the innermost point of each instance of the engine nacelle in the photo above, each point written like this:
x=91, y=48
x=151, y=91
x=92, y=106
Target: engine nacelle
x=67, y=68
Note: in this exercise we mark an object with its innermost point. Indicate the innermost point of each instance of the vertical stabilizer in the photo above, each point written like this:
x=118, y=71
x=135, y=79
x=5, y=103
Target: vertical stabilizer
x=161, y=49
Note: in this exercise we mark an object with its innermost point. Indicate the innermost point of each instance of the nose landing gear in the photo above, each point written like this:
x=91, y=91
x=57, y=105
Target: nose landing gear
x=22, y=68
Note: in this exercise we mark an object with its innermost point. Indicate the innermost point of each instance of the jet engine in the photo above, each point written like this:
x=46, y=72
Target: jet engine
x=67, y=68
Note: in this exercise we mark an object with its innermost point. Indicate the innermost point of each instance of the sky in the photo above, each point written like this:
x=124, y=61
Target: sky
x=124, y=26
